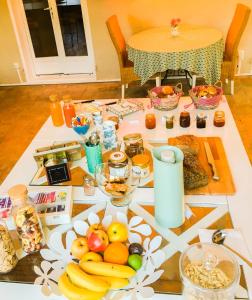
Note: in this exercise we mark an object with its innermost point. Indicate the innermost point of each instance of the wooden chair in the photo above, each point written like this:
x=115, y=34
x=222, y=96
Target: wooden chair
x=126, y=66
x=236, y=29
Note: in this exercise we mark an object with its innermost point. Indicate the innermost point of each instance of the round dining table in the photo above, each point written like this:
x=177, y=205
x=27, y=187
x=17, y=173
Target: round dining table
x=197, y=49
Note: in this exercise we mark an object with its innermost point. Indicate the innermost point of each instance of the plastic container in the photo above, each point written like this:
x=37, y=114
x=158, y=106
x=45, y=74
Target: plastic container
x=26, y=219
x=56, y=111
x=8, y=257
x=209, y=272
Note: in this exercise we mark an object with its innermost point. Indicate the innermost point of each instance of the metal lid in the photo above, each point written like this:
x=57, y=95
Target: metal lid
x=184, y=114
x=118, y=157
x=141, y=160
x=132, y=136
x=18, y=192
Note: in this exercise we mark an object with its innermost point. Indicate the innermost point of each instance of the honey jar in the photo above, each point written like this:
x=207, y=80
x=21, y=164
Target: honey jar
x=219, y=118
x=141, y=165
x=184, y=119
x=150, y=121
x=133, y=144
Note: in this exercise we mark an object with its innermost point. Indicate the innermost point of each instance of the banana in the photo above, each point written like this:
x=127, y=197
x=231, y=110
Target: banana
x=70, y=291
x=83, y=280
x=114, y=282
x=107, y=269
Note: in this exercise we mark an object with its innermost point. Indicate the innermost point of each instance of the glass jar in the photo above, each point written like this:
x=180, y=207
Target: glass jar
x=219, y=118
x=169, y=121
x=69, y=110
x=118, y=163
x=26, y=219
x=141, y=165
x=89, y=186
x=184, y=119
x=201, y=120
x=209, y=271
x=56, y=111
x=133, y=144
x=8, y=257
x=150, y=121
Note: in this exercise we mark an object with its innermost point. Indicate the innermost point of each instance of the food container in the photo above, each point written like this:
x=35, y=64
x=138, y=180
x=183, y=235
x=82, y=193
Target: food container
x=206, y=96
x=141, y=165
x=26, y=219
x=8, y=257
x=165, y=97
x=209, y=271
x=118, y=163
x=184, y=119
x=150, y=121
x=133, y=144
x=219, y=118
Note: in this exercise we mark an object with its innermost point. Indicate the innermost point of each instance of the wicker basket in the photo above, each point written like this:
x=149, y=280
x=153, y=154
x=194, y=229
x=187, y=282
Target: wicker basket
x=207, y=102
x=168, y=103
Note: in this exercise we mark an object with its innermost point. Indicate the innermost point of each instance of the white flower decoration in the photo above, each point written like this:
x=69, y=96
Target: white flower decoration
x=81, y=226
x=153, y=256
x=46, y=279
x=134, y=227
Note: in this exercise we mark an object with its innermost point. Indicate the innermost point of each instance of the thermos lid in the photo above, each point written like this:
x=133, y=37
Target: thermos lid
x=168, y=156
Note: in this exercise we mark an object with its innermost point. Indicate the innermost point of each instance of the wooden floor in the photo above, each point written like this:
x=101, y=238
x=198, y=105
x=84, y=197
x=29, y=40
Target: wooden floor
x=24, y=109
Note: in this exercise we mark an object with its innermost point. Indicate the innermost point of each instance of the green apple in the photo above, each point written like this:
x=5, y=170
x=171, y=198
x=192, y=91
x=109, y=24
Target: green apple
x=135, y=261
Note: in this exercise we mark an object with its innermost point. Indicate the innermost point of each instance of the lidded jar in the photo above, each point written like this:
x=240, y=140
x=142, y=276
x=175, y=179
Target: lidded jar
x=209, y=271
x=8, y=257
x=133, y=144
x=26, y=219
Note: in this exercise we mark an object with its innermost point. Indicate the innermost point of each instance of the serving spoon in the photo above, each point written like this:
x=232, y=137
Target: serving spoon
x=219, y=236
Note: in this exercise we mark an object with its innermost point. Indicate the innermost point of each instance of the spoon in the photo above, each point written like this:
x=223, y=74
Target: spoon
x=219, y=236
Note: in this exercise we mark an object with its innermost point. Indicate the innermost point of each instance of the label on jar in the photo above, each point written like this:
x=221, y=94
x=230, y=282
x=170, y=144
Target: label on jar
x=118, y=172
x=141, y=172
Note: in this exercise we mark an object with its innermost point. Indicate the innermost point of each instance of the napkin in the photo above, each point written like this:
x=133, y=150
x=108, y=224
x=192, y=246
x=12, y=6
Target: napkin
x=235, y=240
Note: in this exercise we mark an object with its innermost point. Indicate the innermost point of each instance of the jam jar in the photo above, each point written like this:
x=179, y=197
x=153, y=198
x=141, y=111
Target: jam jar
x=118, y=164
x=184, y=119
x=141, y=165
x=26, y=219
x=201, y=120
x=219, y=118
x=169, y=120
x=150, y=121
x=133, y=144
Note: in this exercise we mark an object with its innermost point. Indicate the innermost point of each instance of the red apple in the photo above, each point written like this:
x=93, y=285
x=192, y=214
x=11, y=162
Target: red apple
x=79, y=247
x=94, y=228
x=98, y=241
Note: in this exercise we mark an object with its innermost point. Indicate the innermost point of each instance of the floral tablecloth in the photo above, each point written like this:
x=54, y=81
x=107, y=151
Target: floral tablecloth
x=197, y=49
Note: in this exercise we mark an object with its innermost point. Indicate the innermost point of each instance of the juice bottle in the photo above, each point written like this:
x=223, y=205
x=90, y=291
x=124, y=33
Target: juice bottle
x=56, y=111
x=69, y=110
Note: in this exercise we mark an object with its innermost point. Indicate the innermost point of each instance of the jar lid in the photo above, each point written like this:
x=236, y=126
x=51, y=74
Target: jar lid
x=132, y=136
x=118, y=157
x=141, y=160
x=18, y=191
x=54, y=98
x=184, y=114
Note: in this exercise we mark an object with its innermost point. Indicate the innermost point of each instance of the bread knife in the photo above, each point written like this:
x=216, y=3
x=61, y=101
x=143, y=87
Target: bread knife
x=211, y=161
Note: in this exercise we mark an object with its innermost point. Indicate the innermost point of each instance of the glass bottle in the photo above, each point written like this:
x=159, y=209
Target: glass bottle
x=8, y=257
x=56, y=111
x=26, y=219
x=69, y=110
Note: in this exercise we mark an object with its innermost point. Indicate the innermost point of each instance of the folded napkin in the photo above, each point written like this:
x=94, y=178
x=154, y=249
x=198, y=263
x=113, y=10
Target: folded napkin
x=235, y=240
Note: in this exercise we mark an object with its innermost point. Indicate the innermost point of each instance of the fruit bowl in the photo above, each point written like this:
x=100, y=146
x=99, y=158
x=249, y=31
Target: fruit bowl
x=117, y=185
x=165, y=97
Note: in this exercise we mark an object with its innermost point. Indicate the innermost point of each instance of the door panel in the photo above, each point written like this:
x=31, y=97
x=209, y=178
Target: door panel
x=40, y=28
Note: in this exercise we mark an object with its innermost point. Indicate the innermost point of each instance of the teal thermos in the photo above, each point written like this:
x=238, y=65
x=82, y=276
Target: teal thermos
x=169, y=188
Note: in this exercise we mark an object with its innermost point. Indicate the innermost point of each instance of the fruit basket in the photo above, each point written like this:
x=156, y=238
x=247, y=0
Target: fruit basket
x=207, y=96
x=165, y=97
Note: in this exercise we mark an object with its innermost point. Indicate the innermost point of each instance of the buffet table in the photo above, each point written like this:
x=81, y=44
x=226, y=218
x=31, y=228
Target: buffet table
x=209, y=211
x=197, y=49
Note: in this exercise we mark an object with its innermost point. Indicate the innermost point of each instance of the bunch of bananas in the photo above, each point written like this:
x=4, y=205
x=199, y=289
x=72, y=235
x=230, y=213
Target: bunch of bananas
x=91, y=280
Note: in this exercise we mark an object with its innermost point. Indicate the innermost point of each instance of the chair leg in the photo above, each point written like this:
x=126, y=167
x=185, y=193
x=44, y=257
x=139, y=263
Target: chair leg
x=194, y=78
x=232, y=87
x=123, y=91
x=158, y=80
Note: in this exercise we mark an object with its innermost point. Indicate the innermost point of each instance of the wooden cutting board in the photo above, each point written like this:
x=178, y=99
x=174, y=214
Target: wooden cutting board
x=225, y=186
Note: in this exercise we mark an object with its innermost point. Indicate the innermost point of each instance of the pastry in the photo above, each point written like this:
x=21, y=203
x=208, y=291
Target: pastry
x=185, y=142
x=116, y=189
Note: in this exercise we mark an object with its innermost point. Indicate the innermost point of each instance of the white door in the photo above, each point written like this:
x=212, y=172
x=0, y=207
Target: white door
x=59, y=37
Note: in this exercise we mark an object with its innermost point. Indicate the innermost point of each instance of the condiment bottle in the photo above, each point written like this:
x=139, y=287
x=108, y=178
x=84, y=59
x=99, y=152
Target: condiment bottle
x=69, y=110
x=184, y=119
x=26, y=219
x=8, y=257
x=56, y=111
x=150, y=121
x=201, y=120
x=219, y=118
x=169, y=122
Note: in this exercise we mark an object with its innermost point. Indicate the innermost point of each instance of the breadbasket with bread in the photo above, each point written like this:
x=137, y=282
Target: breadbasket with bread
x=207, y=96
x=165, y=97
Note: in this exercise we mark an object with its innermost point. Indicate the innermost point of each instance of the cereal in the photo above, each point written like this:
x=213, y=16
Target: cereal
x=28, y=228
x=210, y=279
x=8, y=258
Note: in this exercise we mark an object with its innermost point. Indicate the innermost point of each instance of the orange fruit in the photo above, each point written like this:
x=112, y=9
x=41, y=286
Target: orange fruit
x=168, y=90
x=116, y=253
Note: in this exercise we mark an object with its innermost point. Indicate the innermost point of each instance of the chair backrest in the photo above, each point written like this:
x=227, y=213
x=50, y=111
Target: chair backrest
x=117, y=39
x=235, y=31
